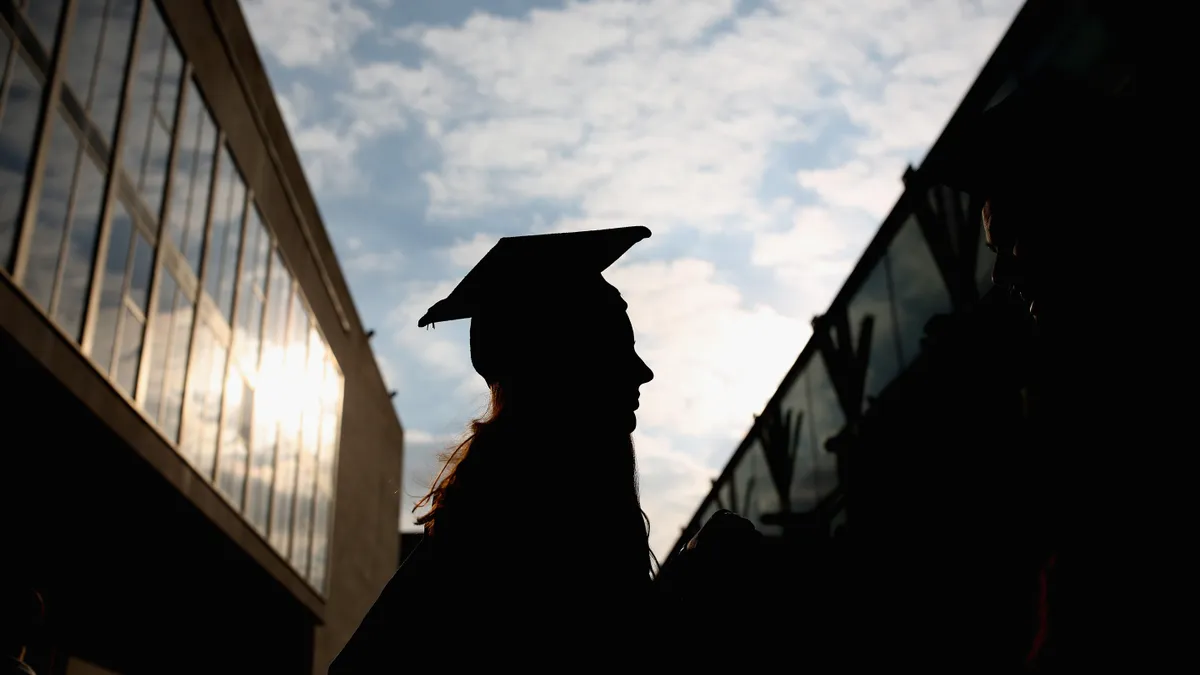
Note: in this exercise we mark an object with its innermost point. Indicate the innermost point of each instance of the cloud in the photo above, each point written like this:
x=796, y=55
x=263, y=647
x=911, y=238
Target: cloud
x=634, y=111
x=370, y=262
x=446, y=352
x=810, y=257
x=465, y=253
x=671, y=484
x=308, y=33
x=716, y=358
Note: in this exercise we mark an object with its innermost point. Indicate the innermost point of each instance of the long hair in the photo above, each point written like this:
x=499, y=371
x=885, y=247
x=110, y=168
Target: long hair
x=484, y=469
x=444, y=485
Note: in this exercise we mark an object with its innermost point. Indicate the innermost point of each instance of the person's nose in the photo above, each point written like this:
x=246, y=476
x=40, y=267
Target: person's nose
x=643, y=372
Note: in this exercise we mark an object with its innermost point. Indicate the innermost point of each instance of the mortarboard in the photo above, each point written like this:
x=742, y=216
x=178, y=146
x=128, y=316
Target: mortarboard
x=1048, y=130
x=524, y=281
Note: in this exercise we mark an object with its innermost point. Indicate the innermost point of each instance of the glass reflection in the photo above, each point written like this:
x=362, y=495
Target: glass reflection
x=112, y=281
x=97, y=55
x=235, y=436
x=917, y=287
x=130, y=353
x=331, y=404
x=802, y=492
x=825, y=420
x=707, y=509
x=65, y=231
x=83, y=46
x=53, y=208
x=80, y=250
x=310, y=441
x=139, y=281
x=190, y=186
x=124, y=287
x=171, y=337
x=290, y=401
x=152, y=102
x=252, y=291
x=753, y=490
x=20, y=104
x=42, y=16
x=205, y=385
x=269, y=395
x=873, y=299
x=229, y=202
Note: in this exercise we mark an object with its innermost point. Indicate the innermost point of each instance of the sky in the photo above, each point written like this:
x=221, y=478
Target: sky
x=761, y=141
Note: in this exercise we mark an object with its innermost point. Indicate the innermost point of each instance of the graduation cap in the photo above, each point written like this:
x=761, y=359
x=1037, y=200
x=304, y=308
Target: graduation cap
x=1048, y=130
x=532, y=281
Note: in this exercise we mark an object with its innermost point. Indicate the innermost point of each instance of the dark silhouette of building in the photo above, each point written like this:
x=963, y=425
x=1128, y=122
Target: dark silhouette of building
x=865, y=371
x=201, y=462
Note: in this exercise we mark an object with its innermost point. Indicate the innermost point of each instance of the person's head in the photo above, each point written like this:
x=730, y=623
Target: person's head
x=1048, y=163
x=549, y=331
x=577, y=366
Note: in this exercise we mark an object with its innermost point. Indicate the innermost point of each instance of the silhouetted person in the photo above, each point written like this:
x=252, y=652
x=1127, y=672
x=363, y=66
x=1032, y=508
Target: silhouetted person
x=1057, y=164
x=535, y=536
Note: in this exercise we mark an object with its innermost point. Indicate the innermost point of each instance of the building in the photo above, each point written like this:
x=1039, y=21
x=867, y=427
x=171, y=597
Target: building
x=201, y=461
x=928, y=258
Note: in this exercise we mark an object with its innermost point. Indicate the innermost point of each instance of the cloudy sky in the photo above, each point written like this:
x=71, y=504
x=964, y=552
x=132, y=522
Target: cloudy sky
x=762, y=142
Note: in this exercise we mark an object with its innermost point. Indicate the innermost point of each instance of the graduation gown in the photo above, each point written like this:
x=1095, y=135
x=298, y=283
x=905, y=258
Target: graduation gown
x=500, y=602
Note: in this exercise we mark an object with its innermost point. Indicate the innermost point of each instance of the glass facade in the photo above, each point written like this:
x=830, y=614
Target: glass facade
x=126, y=218
x=786, y=466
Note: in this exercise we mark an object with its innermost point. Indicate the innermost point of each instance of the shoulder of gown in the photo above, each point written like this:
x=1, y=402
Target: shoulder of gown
x=379, y=645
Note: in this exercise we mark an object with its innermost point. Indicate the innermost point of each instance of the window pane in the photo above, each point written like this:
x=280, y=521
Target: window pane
x=310, y=441
x=160, y=344
x=262, y=463
x=193, y=403
x=151, y=119
x=872, y=300
x=81, y=248
x=235, y=437
x=83, y=47
x=289, y=395
x=18, y=122
x=707, y=510
x=204, y=401
x=228, y=207
x=322, y=513
x=917, y=287
x=826, y=420
x=725, y=495
x=252, y=290
x=753, y=490
x=111, y=282
x=131, y=352
x=270, y=397
x=105, y=99
x=193, y=177
x=139, y=281
x=43, y=19
x=174, y=366
x=53, y=207
x=793, y=429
